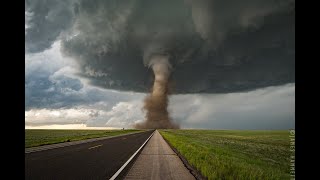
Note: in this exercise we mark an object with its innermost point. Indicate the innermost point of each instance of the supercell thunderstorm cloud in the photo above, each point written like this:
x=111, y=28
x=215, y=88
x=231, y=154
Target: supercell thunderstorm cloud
x=170, y=46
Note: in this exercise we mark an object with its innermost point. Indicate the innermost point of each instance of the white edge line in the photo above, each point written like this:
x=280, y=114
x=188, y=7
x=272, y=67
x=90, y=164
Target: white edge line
x=125, y=164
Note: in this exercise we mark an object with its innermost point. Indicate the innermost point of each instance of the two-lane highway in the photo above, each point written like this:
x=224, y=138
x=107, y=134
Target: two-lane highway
x=93, y=160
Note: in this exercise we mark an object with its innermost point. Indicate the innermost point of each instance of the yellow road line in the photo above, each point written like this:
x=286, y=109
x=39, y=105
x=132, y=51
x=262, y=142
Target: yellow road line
x=95, y=146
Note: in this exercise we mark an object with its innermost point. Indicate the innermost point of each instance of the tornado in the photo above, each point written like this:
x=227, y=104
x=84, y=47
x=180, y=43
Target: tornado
x=156, y=103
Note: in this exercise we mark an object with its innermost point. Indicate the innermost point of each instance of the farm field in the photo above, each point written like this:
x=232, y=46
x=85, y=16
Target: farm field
x=36, y=137
x=234, y=154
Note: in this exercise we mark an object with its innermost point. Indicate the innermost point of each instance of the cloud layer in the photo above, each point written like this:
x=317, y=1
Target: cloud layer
x=80, y=53
x=214, y=46
x=268, y=108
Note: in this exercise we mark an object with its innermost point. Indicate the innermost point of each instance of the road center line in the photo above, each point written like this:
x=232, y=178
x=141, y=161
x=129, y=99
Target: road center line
x=95, y=146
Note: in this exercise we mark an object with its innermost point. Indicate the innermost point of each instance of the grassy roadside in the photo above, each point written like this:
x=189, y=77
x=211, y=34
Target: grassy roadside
x=232, y=154
x=43, y=137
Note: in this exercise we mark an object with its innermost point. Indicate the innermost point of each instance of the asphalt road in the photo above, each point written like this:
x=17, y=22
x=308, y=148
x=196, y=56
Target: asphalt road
x=93, y=160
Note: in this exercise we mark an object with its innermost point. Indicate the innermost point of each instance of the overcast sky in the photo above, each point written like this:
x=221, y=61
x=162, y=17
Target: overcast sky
x=63, y=89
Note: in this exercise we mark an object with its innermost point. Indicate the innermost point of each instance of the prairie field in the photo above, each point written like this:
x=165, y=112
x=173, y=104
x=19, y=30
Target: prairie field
x=38, y=137
x=234, y=154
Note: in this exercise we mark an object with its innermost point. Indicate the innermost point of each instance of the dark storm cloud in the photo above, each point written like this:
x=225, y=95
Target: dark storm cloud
x=45, y=91
x=46, y=20
x=214, y=46
x=50, y=84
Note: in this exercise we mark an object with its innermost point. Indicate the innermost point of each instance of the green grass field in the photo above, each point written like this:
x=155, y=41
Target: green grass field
x=42, y=137
x=234, y=154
